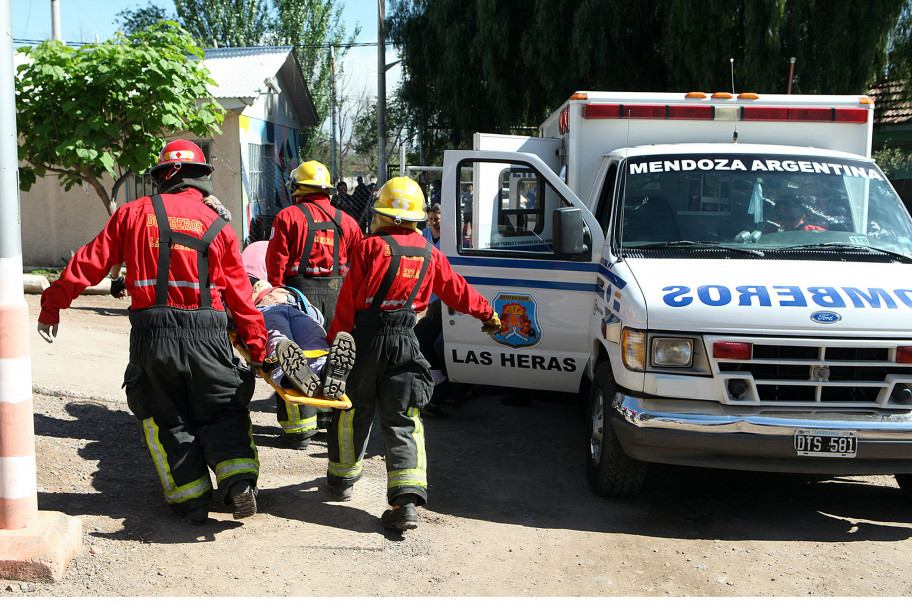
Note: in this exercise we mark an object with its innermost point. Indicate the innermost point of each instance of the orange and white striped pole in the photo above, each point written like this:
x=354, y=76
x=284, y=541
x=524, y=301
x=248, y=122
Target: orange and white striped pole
x=18, y=490
x=33, y=545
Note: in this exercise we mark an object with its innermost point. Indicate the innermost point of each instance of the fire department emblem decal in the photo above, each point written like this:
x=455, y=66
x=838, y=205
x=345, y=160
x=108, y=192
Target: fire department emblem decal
x=518, y=314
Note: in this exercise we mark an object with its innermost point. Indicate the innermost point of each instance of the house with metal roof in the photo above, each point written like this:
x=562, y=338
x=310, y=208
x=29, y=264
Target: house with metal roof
x=268, y=105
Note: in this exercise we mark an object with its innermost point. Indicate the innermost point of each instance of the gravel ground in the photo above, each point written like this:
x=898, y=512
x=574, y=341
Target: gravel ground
x=510, y=513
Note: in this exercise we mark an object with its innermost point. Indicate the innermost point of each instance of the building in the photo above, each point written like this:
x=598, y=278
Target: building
x=268, y=105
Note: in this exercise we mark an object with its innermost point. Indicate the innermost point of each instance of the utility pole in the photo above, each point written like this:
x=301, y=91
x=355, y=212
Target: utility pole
x=332, y=89
x=34, y=545
x=55, y=20
x=381, y=93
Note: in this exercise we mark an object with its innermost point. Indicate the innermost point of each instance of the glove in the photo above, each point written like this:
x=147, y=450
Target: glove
x=48, y=332
x=119, y=287
x=492, y=325
x=217, y=206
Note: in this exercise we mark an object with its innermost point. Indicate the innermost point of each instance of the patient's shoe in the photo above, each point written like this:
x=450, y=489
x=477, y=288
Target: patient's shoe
x=294, y=365
x=339, y=362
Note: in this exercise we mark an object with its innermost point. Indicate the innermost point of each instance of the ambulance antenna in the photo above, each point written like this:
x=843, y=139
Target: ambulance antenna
x=735, y=135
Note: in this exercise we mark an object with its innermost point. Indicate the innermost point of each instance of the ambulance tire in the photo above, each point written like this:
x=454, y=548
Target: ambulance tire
x=611, y=472
x=905, y=483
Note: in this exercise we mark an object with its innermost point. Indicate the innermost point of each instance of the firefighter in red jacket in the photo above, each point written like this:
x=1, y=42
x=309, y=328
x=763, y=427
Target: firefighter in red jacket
x=183, y=268
x=309, y=247
x=393, y=273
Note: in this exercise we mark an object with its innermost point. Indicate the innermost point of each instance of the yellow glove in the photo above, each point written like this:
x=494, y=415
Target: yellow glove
x=492, y=325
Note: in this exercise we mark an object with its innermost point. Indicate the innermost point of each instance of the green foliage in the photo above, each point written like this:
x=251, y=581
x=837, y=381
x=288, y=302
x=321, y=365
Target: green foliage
x=499, y=65
x=893, y=161
x=132, y=21
x=311, y=25
x=226, y=22
x=105, y=108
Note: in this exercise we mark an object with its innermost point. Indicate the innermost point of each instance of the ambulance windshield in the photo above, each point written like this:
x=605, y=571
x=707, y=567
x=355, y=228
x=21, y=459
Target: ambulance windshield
x=761, y=202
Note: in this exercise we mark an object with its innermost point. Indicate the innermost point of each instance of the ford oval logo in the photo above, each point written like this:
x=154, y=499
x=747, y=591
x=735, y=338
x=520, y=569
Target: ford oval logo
x=825, y=316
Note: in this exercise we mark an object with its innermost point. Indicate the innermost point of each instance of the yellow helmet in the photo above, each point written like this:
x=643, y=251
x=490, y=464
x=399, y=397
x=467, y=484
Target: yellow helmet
x=310, y=177
x=401, y=198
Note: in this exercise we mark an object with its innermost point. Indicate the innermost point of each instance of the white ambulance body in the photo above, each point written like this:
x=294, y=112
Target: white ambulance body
x=733, y=274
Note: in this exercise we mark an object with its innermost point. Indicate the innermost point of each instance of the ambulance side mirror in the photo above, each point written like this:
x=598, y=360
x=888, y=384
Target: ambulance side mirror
x=570, y=232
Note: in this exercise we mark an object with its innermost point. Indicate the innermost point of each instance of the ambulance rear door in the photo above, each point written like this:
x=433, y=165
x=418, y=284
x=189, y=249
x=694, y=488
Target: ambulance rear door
x=502, y=238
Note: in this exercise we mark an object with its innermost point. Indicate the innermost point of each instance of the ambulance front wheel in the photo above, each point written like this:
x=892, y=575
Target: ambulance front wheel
x=611, y=472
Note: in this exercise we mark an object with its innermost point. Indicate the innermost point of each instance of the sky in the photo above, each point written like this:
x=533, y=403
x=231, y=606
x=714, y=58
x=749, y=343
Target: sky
x=82, y=20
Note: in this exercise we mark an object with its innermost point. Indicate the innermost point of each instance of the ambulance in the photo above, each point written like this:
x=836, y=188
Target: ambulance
x=726, y=279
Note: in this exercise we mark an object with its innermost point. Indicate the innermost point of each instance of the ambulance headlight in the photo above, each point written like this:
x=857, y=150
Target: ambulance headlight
x=672, y=352
x=633, y=345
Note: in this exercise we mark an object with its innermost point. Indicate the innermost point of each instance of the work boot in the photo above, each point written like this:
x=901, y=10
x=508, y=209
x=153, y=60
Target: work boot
x=341, y=493
x=433, y=410
x=243, y=495
x=294, y=364
x=403, y=517
x=339, y=362
x=295, y=441
x=196, y=516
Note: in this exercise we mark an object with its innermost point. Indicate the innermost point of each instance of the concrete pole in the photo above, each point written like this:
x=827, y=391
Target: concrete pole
x=33, y=545
x=381, y=93
x=18, y=493
x=55, y=20
x=332, y=111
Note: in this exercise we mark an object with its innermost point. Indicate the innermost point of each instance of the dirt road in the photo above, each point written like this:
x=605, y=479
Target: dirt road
x=510, y=513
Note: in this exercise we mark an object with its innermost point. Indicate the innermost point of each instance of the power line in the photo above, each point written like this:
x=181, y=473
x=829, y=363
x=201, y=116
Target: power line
x=303, y=46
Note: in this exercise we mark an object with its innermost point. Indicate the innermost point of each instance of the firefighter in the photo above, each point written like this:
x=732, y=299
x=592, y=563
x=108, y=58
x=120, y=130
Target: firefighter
x=309, y=247
x=182, y=381
x=393, y=273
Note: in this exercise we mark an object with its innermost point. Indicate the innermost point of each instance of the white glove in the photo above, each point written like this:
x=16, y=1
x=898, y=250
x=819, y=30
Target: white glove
x=48, y=332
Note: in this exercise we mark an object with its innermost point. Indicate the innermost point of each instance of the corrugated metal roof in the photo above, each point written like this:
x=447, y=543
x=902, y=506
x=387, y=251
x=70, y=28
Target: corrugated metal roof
x=240, y=71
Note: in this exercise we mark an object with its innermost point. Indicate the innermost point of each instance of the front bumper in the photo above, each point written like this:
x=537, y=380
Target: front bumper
x=695, y=433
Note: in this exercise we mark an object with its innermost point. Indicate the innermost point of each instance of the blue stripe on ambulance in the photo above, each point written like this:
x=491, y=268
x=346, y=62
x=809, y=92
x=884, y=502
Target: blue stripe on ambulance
x=563, y=265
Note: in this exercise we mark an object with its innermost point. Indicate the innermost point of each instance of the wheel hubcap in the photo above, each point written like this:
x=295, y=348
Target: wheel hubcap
x=598, y=429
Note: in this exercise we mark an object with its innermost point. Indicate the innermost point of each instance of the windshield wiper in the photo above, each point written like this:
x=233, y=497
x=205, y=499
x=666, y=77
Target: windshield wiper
x=708, y=244
x=851, y=247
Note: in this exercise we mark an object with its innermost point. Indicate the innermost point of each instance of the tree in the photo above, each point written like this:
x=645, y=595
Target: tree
x=105, y=109
x=226, y=22
x=135, y=20
x=501, y=65
x=311, y=26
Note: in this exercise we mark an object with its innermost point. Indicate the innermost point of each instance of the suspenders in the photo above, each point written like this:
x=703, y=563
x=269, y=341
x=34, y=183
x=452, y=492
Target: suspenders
x=312, y=228
x=167, y=238
x=398, y=252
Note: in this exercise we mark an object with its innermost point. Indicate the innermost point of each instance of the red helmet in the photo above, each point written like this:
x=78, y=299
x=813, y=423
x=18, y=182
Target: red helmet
x=176, y=154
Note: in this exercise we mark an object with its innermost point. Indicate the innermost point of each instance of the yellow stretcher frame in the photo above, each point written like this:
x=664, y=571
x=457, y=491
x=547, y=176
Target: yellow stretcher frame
x=289, y=394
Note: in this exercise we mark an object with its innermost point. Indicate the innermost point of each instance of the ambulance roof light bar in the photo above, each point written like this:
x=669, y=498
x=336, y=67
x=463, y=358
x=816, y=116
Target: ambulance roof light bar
x=714, y=112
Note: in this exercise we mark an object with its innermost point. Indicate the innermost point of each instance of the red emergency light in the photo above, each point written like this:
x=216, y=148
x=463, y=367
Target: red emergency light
x=707, y=112
x=904, y=354
x=732, y=350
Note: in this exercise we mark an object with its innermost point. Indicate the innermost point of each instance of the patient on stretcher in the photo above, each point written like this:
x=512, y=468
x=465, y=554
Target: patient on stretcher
x=296, y=345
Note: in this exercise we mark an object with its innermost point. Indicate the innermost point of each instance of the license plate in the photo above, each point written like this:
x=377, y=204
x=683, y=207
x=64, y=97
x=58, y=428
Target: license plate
x=826, y=444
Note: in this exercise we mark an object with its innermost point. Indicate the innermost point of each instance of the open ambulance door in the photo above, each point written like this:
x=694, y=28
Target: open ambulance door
x=526, y=242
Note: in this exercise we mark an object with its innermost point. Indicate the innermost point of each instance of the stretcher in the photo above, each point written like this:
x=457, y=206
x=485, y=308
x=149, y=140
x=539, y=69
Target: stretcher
x=289, y=394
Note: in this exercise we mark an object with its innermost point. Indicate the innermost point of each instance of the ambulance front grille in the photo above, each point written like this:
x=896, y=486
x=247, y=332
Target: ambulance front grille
x=787, y=372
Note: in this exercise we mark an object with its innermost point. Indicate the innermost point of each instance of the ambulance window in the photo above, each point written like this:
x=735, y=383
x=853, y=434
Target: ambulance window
x=510, y=211
x=606, y=198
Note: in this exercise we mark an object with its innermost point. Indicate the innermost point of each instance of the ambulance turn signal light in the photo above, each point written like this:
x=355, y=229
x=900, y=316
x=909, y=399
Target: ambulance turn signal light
x=904, y=354
x=732, y=350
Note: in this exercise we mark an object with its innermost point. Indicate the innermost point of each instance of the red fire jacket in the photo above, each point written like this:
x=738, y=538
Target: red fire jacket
x=369, y=262
x=289, y=236
x=131, y=236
